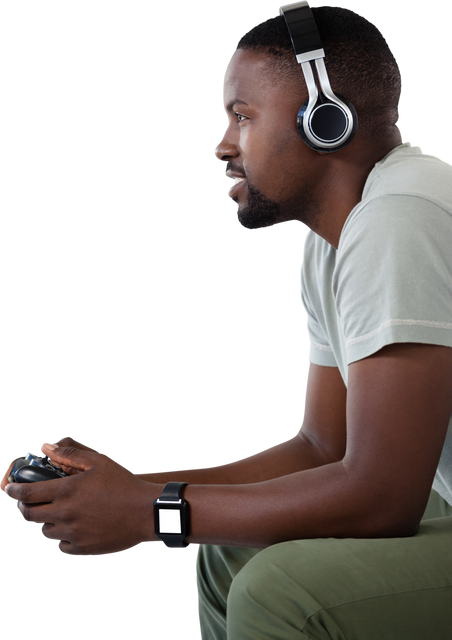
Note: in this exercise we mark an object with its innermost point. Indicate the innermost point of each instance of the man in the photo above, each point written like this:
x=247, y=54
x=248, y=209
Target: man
x=321, y=536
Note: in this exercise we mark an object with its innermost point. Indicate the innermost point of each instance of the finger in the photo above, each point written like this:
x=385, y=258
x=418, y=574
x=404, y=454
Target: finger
x=49, y=530
x=71, y=456
x=5, y=476
x=69, y=470
x=69, y=442
x=65, y=548
x=35, y=492
x=36, y=512
x=5, y=480
x=62, y=441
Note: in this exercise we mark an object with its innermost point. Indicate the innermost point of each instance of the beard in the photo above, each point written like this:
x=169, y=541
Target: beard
x=259, y=213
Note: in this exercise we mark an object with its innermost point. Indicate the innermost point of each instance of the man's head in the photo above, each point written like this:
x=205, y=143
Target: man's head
x=264, y=87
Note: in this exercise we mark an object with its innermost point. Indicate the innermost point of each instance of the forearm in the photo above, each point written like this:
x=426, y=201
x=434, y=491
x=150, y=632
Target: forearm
x=295, y=455
x=318, y=503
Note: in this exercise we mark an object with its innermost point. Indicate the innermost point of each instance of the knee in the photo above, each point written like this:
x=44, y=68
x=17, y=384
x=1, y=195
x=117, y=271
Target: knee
x=277, y=593
x=253, y=589
x=247, y=585
x=259, y=604
x=246, y=601
x=267, y=579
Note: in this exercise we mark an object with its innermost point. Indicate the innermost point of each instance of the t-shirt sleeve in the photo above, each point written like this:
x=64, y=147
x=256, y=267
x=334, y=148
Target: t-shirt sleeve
x=393, y=276
x=320, y=351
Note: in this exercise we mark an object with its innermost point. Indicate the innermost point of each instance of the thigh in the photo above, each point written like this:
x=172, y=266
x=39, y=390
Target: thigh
x=216, y=569
x=351, y=589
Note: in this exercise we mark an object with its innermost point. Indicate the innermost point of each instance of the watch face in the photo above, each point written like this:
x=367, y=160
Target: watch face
x=169, y=521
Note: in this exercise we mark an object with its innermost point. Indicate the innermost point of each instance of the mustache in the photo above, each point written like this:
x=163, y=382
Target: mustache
x=235, y=168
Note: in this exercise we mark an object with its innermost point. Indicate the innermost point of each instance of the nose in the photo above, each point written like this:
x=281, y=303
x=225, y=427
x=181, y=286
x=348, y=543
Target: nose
x=226, y=150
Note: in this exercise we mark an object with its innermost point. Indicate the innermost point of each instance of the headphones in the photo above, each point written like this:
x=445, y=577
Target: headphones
x=326, y=122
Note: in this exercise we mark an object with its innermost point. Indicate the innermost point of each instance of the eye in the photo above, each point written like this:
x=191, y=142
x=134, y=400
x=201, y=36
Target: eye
x=239, y=117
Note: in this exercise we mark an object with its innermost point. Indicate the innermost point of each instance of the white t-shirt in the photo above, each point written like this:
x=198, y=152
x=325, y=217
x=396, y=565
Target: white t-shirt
x=390, y=280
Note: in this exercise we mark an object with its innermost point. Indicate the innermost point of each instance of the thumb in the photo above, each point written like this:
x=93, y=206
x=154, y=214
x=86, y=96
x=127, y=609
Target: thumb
x=70, y=456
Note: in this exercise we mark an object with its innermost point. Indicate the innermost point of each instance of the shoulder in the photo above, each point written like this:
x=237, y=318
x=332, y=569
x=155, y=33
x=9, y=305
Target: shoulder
x=407, y=171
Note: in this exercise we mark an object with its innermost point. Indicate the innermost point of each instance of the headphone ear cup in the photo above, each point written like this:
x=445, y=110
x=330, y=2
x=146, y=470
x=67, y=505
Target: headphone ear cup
x=354, y=116
x=300, y=126
x=327, y=122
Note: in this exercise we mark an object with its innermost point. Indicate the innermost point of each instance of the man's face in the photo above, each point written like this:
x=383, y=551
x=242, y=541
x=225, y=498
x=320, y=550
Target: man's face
x=274, y=171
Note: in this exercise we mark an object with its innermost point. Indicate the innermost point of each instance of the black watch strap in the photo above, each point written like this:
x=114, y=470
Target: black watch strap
x=172, y=493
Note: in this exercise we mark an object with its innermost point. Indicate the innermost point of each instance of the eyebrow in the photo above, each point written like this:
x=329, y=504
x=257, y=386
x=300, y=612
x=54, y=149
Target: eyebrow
x=230, y=105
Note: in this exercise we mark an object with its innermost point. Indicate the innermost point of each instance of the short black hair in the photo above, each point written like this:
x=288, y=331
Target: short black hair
x=359, y=62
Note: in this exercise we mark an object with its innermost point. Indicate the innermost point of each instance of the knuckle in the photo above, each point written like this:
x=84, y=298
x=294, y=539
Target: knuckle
x=23, y=492
x=65, y=515
x=71, y=452
x=25, y=512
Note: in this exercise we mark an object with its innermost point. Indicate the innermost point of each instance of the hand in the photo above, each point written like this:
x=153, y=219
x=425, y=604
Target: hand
x=62, y=441
x=69, y=442
x=103, y=510
x=65, y=442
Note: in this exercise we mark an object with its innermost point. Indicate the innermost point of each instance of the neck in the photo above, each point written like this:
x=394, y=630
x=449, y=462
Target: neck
x=341, y=187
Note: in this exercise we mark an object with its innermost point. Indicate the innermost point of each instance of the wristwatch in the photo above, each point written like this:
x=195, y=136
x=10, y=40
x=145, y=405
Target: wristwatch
x=171, y=515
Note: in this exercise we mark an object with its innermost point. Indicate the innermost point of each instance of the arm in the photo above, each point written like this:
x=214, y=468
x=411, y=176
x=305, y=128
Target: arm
x=398, y=407
x=321, y=440
x=291, y=456
x=294, y=455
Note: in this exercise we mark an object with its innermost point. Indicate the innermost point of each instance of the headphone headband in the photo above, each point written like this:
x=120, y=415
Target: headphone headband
x=326, y=122
x=303, y=31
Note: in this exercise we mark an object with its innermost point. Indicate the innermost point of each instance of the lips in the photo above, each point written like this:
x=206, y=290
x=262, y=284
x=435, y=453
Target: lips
x=237, y=180
x=228, y=174
x=238, y=183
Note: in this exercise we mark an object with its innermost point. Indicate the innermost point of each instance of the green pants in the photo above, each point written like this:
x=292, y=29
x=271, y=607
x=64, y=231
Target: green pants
x=330, y=589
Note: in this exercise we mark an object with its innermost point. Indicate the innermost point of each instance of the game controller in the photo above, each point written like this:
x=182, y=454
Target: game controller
x=34, y=469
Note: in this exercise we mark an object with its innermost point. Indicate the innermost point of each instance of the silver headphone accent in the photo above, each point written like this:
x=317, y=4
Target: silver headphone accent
x=327, y=122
